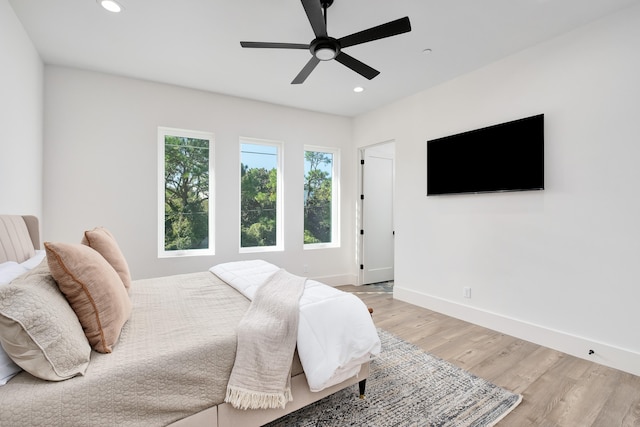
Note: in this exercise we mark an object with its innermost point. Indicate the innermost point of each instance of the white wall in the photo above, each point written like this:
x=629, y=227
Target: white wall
x=561, y=266
x=21, y=74
x=101, y=155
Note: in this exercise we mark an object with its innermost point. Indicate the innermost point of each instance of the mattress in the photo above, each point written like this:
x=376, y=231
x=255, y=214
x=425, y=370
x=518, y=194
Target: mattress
x=173, y=359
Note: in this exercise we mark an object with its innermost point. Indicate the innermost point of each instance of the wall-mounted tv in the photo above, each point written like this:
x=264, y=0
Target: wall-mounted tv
x=504, y=157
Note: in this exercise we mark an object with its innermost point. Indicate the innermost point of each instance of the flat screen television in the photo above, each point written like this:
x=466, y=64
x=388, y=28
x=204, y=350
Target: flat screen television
x=504, y=157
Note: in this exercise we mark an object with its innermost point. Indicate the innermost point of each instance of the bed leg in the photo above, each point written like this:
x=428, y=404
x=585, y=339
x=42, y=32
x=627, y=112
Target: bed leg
x=362, y=385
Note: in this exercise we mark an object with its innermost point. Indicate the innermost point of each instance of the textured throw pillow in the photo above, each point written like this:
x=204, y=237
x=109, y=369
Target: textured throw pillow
x=103, y=241
x=38, y=328
x=94, y=291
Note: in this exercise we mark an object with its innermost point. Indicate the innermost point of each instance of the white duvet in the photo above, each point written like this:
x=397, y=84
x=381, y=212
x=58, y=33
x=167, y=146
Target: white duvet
x=335, y=334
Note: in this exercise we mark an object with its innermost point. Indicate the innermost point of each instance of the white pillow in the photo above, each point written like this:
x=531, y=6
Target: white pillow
x=8, y=369
x=10, y=270
x=35, y=260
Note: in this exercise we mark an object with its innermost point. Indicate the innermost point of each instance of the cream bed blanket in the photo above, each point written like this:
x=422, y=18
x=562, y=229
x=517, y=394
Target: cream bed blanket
x=261, y=375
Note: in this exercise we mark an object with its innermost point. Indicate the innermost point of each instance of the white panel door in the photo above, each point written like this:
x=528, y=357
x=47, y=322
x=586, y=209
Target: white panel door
x=377, y=214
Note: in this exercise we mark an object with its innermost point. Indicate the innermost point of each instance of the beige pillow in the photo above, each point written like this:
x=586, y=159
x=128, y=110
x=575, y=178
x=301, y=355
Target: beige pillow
x=103, y=241
x=94, y=291
x=38, y=328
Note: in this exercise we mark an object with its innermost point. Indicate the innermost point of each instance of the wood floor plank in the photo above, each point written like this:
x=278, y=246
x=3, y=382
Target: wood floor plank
x=582, y=404
x=622, y=403
x=482, y=350
x=558, y=389
x=527, y=369
x=506, y=363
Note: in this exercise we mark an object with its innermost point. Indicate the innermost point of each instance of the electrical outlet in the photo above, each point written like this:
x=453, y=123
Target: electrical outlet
x=466, y=292
x=305, y=268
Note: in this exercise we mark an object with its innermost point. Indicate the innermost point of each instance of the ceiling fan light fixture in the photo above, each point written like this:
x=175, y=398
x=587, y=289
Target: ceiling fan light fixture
x=325, y=53
x=110, y=5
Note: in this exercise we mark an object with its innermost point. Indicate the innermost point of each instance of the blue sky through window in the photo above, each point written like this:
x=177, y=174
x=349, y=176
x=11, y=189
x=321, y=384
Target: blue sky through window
x=259, y=156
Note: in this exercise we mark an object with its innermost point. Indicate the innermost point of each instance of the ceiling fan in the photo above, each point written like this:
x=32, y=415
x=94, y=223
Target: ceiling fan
x=325, y=48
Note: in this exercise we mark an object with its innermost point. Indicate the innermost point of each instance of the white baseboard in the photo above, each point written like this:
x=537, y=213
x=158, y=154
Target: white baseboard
x=604, y=354
x=338, y=280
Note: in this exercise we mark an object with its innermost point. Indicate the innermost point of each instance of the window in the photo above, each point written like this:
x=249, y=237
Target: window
x=321, y=197
x=185, y=193
x=260, y=196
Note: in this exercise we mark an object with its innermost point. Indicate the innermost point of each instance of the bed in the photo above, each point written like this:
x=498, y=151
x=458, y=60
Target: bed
x=169, y=361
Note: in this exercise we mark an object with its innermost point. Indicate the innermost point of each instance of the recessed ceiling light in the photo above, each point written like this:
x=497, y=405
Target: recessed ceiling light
x=110, y=5
x=426, y=51
x=358, y=89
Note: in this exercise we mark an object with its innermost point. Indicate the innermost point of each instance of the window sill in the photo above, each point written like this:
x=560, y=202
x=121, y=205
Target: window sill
x=186, y=253
x=259, y=249
x=315, y=246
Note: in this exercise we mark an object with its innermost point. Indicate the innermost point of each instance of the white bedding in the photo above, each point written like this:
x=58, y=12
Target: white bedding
x=12, y=270
x=335, y=334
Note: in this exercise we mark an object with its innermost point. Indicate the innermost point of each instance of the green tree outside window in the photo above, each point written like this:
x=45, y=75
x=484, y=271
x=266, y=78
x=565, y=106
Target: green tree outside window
x=186, y=193
x=259, y=195
x=318, y=187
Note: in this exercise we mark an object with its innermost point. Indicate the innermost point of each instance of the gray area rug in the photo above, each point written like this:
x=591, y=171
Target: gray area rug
x=409, y=387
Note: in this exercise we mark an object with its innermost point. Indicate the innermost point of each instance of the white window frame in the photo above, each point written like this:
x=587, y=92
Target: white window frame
x=279, y=246
x=184, y=133
x=335, y=198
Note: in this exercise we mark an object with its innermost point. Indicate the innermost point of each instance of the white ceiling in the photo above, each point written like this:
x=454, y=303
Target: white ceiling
x=195, y=43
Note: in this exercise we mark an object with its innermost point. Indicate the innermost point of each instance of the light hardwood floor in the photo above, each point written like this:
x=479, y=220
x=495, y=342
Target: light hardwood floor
x=558, y=389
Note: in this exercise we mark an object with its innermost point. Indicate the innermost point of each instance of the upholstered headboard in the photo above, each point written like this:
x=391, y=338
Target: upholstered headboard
x=19, y=237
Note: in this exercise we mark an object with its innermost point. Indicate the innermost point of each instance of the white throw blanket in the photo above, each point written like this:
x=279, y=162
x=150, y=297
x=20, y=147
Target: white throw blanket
x=261, y=374
x=335, y=331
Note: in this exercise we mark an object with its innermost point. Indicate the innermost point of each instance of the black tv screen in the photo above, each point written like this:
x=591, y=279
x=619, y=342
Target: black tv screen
x=504, y=157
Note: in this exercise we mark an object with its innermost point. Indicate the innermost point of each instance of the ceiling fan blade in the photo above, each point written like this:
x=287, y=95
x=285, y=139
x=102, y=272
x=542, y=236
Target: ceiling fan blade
x=268, y=45
x=357, y=66
x=389, y=29
x=313, y=9
x=302, y=75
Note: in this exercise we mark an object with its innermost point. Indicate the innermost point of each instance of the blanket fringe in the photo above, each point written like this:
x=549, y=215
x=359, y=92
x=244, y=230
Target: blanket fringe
x=247, y=399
